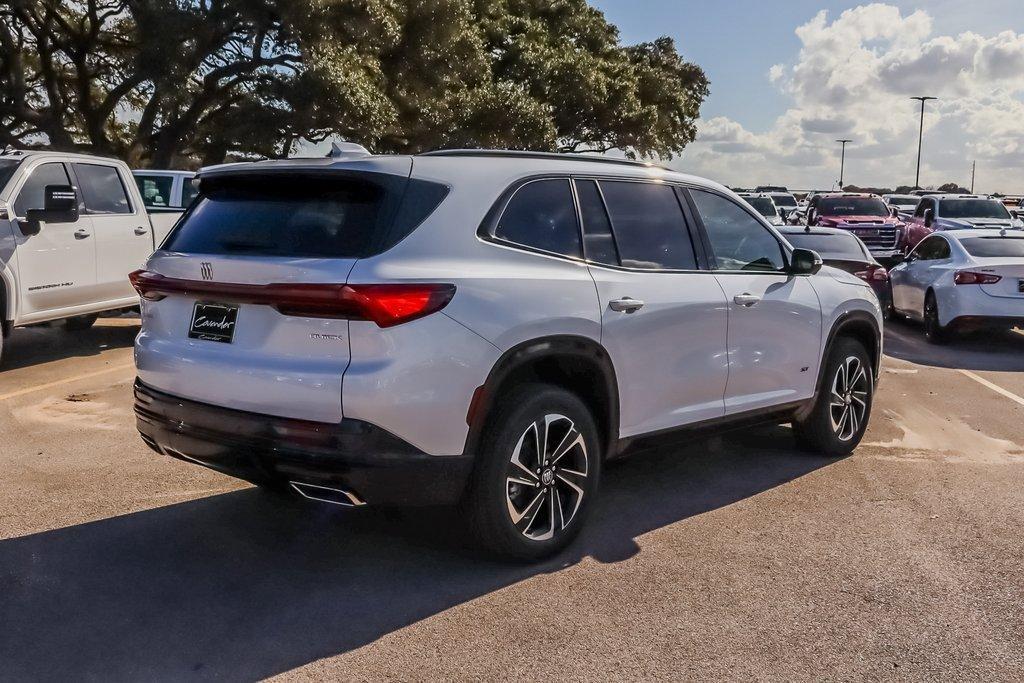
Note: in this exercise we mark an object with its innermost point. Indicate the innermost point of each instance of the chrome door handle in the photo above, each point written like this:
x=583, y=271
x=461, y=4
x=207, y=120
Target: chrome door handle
x=746, y=299
x=81, y=234
x=141, y=230
x=625, y=305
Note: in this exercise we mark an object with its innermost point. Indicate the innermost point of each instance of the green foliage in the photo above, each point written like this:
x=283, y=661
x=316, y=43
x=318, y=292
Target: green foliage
x=165, y=82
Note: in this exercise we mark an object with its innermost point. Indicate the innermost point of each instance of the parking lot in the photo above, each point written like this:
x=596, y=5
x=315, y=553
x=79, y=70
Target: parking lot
x=737, y=557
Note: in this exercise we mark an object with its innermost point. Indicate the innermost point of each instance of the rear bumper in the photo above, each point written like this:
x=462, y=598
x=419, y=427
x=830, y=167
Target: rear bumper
x=355, y=456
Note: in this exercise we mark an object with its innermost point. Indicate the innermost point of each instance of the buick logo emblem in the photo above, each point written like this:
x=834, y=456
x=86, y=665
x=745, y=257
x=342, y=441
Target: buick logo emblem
x=206, y=268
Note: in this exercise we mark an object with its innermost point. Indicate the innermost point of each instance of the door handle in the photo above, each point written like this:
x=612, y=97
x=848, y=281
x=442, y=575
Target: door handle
x=746, y=299
x=141, y=230
x=81, y=234
x=625, y=304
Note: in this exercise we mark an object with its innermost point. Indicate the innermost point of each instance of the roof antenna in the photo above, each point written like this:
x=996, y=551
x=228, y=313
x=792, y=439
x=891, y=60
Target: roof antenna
x=341, y=150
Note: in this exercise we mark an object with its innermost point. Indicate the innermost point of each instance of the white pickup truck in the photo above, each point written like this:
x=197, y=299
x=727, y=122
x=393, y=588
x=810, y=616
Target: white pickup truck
x=72, y=227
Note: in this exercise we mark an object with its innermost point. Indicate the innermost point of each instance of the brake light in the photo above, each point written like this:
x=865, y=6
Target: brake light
x=873, y=272
x=385, y=304
x=970, y=277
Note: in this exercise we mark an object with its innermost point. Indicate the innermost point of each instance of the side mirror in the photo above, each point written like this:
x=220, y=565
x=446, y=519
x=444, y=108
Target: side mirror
x=911, y=257
x=60, y=205
x=804, y=262
x=894, y=211
x=898, y=257
x=929, y=217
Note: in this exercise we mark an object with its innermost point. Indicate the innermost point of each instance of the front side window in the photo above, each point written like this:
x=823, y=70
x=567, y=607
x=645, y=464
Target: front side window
x=102, y=189
x=155, y=190
x=649, y=227
x=738, y=240
x=542, y=215
x=32, y=192
x=922, y=207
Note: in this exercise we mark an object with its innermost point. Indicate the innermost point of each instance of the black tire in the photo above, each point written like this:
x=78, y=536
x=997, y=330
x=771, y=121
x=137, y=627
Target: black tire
x=80, y=322
x=934, y=332
x=541, y=494
x=827, y=429
x=888, y=309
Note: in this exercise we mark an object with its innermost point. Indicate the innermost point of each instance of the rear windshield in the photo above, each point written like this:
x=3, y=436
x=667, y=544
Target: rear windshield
x=763, y=206
x=829, y=246
x=994, y=246
x=973, y=208
x=852, y=206
x=786, y=201
x=304, y=216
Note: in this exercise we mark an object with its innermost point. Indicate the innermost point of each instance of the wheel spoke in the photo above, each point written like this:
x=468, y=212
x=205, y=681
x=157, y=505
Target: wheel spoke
x=534, y=483
x=571, y=440
x=517, y=454
x=837, y=400
x=529, y=513
x=555, y=503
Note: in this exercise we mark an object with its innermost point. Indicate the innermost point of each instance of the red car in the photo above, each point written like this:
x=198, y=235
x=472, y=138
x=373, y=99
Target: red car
x=867, y=217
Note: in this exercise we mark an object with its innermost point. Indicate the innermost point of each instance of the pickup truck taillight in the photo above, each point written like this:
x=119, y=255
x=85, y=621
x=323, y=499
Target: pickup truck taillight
x=385, y=304
x=970, y=277
x=873, y=272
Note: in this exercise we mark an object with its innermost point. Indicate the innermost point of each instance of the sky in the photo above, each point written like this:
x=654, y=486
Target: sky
x=789, y=77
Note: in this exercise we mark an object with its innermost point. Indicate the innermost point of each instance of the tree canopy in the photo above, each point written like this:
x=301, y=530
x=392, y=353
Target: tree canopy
x=162, y=81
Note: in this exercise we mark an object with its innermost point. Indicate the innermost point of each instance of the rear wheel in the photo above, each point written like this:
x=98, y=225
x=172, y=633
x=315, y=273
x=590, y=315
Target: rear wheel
x=840, y=415
x=536, y=474
x=933, y=329
x=80, y=322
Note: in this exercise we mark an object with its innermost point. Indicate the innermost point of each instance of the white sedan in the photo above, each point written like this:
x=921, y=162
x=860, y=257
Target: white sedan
x=962, y=278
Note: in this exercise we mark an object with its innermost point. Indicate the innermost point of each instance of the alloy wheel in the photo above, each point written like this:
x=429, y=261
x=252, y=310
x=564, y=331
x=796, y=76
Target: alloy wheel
x=849, y=401
x=547, y=477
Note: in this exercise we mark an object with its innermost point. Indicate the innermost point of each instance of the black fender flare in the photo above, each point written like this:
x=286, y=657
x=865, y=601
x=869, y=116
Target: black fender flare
x=853, y=324
x=530, y=352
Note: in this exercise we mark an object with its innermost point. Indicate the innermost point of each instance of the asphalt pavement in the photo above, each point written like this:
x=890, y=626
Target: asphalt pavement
x=736, y=557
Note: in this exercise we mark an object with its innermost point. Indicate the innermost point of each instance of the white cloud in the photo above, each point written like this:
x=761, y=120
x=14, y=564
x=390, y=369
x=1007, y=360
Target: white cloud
x=853, y=77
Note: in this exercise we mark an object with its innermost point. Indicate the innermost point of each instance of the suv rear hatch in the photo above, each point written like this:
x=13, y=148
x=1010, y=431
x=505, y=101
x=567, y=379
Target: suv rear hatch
x=245, y=304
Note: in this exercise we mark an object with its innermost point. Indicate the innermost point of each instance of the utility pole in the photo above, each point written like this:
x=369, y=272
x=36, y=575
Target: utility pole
x=842, y=163
x=974, y=167
x=920, y=138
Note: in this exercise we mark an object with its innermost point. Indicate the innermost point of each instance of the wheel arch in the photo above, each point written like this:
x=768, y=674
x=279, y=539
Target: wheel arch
x=862, y=327
x=577, y=364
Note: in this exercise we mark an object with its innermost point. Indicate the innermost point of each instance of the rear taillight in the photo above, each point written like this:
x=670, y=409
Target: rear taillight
x=385, y=304
x=873, y=272
x=970, y=277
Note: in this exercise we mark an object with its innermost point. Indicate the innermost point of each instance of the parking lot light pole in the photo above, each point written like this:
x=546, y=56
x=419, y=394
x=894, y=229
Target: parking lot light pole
x=842, y=163
x=920, y=137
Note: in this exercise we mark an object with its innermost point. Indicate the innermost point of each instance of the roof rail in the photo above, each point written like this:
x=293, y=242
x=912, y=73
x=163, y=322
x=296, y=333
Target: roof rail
x=526, y=154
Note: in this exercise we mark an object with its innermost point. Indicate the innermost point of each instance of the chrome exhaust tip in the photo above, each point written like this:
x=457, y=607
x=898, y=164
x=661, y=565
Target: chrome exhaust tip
x=326, y=494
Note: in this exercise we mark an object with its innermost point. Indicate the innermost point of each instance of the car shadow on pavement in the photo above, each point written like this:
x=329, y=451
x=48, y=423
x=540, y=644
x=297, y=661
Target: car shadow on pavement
x=998, y=351
x=244, y=585
x=37, y=345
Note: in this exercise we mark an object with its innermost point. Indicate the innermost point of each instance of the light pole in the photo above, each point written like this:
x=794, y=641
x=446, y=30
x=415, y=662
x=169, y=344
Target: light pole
x=842, y=163
x=920, y=137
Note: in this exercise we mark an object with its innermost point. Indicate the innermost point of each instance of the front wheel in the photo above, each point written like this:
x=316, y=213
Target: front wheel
x=536, y=474
x=840, y=415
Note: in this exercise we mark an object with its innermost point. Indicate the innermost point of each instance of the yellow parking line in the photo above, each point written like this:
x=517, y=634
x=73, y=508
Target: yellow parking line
x=994, y=387
x=67, y=380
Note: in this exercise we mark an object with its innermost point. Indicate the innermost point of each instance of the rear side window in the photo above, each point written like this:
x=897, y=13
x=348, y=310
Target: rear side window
x=189, y=190
x=31, y=195
x=542, y=215
x=155, y=190
x=305, y=216
x=933, y=248
x=649, y=227
x=102, y=189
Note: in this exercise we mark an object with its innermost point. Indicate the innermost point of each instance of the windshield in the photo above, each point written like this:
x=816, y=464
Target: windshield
x=786, y=201
x=852, y=206
x=973, y=208
x=908, y=202
x=763, y=206
x=7, y=168
x=994, y=246
x=839, y=247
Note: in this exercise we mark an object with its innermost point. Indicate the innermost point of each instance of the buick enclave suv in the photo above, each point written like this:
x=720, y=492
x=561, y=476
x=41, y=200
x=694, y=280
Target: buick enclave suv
x=484, y=329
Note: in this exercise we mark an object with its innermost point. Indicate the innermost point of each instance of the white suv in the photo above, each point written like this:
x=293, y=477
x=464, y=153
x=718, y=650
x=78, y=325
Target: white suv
x=484, y=328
